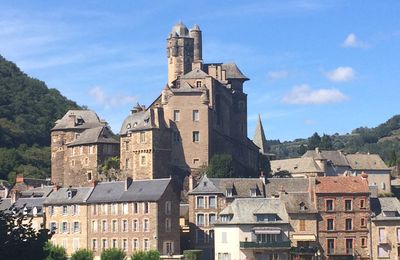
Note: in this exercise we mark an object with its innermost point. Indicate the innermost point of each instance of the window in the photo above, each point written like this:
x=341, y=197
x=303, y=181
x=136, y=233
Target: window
x=253, y=192
x=200, y=220
x=64, y=227
x=167, y=225
x=349, y=224
x=363, y=242
x=302, y=225
x=168, y=208
x=348, y=205
x=176, y=115
x=146, y=225
x=211, y=219
x=331, y=246
x=362, y=203
x=114, y=226
x=383, y=250
x=94, y=244
x=72, y=163
x=142, y=137
x=143, y=160
x=126, y=146
x=94, y=226
x=146, y=207
x=77, y=227
x=146, y=244
x=329, y=224
x=196, y=161
x=135, y=225
x=398, y=235
x=125, y=225
x=227, y=256
x=125, y=208
x=363, y=222
x=91, y=149
x=125, y=244
x=329, y=205
x=196, y=136
x=104, y=209
x=114, y=243
x=104, y=226
x=198, y=84
x=200, y=202
x=349, y=246
x=89, y=175
x=51, y=210
x=229, y=192
x=383, y=186
x=382, y=235
x=195, y=115
x=104, y=244
x=212, y=202
x=114, y=209
x=225, y=218
x=53, y=227
x=64, y=210
x=135, y=244
x=76, y=244
x=94, y=209
x=75, y=209
x=86, y=161
x=135, y=207
x=168, y=248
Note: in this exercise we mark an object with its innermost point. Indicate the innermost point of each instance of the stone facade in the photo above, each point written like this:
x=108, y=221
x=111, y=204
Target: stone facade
x=80, y=143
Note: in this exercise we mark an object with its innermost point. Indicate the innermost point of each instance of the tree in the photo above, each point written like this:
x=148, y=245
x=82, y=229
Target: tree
x=82, y=254
x=113, y=254
x=314, y=141
x=326, y=142
x=192, y=254
x=221, y=166
x=149, y=255
x=110, y=167
x=282, y=174
x=18, y=239
x=302, y=149
x=55, y=252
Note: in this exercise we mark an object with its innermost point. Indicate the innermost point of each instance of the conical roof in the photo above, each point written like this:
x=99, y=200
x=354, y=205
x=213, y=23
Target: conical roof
x=259, y=137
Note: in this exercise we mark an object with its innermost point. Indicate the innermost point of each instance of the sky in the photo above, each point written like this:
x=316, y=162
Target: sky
x=314, y=66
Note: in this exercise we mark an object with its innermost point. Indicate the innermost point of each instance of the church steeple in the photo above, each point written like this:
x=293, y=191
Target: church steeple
x=259, y=137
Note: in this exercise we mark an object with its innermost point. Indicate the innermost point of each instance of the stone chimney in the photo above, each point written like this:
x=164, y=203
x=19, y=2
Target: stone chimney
x=128, y=183
x=19, y=178
x=190, y=183
x=55, y=187
x=14, y=196
x=94, y=183
x=262, y=176
x=311, y=189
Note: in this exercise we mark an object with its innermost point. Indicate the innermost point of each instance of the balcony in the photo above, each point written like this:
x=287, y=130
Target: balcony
x=265, y=245
x=303, y=250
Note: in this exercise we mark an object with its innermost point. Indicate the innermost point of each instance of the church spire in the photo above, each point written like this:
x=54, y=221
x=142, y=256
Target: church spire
x=259, y=137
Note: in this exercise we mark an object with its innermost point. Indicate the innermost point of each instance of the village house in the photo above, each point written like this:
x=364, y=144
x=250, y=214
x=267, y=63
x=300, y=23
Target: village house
x=208, y=199
x=134, y=216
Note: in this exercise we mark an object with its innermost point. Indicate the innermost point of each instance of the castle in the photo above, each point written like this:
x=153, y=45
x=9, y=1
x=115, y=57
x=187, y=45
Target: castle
x=201, y=111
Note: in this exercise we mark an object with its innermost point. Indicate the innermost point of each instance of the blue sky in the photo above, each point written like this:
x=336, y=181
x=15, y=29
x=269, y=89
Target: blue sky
x=325, y=66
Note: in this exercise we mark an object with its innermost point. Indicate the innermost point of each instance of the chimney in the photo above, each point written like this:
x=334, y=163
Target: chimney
x=364, y=176
x=317, y=150
x=190, y=182
x=262, y=176
x=55, y=187
x=94, y=183
x=14, y=196
x=311, y=189
x=19, y=178
x=128, y=183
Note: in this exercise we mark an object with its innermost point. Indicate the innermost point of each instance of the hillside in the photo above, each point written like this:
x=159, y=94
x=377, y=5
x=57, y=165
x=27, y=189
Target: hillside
x=383, y=140
x=28, y=109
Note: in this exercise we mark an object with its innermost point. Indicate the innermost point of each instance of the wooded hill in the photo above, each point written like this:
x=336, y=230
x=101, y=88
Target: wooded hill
x=28, y=110
x=383, y=140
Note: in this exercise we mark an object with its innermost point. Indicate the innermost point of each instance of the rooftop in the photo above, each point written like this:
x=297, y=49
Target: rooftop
x=342, y=184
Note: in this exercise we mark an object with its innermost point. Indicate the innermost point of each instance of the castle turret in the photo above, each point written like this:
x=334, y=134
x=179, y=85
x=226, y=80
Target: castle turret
x=195, y=33
x=180, y=52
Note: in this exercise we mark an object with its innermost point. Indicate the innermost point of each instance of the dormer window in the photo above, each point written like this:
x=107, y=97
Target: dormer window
x=229, y=192
x=69, y=194
x=198, y=84
x=302, y=206
x=34, y=211
x=25, y=211
x=226, y=218
x=128, y=126
x=253, y=192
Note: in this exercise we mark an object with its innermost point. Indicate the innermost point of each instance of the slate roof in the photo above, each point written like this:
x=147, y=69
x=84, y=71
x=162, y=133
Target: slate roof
x=244, y=210
x=139, y=190
x=5, y=204
x=293, y=202
x=233, y=72
x=259, y=137
x=60, y=196
x=296, y=165
x=37, y=192
x=337, y=158
x=366, y=162
x=241, y=186
x=274, y=185
x=341, y=184
x=379, y=205
x=83, y=119
x=195, y=74
x=30, y=204
x=96, y=135
x=141, y=120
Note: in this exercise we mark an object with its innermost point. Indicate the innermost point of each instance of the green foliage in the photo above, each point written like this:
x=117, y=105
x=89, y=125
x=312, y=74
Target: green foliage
x=192, y=254
x=148, y=255
x=28, y=111
x=55, y=252
x=113, y=254
x=19, y=240
x=314, y=141
x=326, y=143
x=110, y=167
x=221, y=166
x=82, y=254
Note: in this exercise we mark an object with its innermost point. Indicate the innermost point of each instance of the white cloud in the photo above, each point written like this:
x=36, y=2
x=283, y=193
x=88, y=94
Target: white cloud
x=304, y=94
x=309, y=121
x=109, y=101
x=341, y=74
x=352, y=41
x=278, y=74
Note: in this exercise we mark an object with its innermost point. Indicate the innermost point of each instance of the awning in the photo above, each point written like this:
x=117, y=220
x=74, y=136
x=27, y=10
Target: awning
x=270, y=231
x=304, y=237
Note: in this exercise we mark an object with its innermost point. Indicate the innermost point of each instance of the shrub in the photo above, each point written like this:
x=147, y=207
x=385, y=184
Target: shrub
x=149, y=255
x=83, y=254
x=113, y=254
x=55, y=252
x=192, y=254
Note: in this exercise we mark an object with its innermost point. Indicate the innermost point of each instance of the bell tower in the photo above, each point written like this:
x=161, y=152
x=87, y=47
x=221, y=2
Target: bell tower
x=180, y=52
